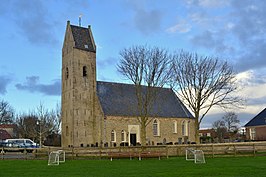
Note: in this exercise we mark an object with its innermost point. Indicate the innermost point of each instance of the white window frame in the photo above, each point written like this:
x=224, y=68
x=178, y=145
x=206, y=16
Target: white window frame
x=123, y=136
x=113, y=136
x=156, y=127
x=174, y=126
x=184, y=128
x=252, y=133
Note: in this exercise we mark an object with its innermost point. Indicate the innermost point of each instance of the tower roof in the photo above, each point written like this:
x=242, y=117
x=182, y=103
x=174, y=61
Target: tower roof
x=83, y=38
x=120, y=100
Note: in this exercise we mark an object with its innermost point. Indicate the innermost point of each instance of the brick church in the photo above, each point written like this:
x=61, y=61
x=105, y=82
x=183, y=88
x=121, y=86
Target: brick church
x=96, y=113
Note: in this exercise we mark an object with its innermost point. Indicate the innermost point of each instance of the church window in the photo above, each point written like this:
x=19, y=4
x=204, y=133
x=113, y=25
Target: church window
x=155, y=127
x=113, y=136
x=188, y=129
x=184, y=128
x=123, y=134
x=67, y=73
x=175, y=126
x=84, y=71
x=67, y=133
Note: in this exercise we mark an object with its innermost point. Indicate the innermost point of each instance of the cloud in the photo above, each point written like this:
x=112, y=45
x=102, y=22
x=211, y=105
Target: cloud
x=205, y=39
x=146, y=20
x=237, y=31
x=4, y=81
x=33, y=21
x=106, y=62
x=32, y=85
x=182, y=27
x=208, y=3
x=211, y=118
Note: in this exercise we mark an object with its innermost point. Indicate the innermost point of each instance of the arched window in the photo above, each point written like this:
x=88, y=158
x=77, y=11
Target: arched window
x=67, y=73
x=175, y=126
x=67, y=133
x=188, y=129
x=123, y=135
x=84, y=71
x=155, y=126
x=184, y=128
x=113, y=136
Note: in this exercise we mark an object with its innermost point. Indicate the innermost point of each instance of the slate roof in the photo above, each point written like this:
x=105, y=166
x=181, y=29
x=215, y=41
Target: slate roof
x=258, y=120
x=119, y=99
x=82, y=36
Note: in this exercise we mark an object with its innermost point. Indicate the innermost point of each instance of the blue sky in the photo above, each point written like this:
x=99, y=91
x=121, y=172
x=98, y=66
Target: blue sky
x=32, y=33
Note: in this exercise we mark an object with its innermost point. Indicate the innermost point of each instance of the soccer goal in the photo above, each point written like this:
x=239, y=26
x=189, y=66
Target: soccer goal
x=190, y=154
x=196, y=155
x=56, y=157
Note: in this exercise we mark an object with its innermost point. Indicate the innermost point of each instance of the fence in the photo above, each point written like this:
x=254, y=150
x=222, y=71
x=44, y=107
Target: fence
x=210, y=150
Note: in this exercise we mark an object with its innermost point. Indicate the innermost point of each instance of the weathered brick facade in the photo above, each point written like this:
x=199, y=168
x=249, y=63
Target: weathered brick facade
x=257, y=133
x=84, y=122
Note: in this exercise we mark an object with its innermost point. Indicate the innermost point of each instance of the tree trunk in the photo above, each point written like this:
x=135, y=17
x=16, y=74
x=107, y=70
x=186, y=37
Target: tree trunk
x=197, y=138
x=143, y=134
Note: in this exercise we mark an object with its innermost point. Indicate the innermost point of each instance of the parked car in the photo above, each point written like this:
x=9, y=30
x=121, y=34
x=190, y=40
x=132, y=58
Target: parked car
x=2, y=144
x=21, y=143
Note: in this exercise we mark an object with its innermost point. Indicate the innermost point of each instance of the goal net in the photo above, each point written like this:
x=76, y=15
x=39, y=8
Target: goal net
x=190, y=154
x=195, y=155
x=199, y=156
x=56, y=157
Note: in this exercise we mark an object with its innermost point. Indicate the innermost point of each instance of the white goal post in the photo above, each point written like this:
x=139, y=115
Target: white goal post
x=56, y=157
x=196, y=155
x=190, y=154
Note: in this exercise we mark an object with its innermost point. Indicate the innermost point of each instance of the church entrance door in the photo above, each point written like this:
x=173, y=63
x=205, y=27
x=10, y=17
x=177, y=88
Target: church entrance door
x=133, y=139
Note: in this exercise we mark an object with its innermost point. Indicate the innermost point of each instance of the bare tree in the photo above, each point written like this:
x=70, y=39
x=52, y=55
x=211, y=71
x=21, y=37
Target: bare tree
x=146, y=68
x=6, y=113
x=27, y=127
x=46, y=122
x=203, y=82
x=231, y=123
x=220, y=129
x=39, y=123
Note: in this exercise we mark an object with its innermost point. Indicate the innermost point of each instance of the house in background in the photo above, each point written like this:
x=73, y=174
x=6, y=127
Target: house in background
x=207, y=135
x=8, y=131
x=4, y=135
x=256, y=127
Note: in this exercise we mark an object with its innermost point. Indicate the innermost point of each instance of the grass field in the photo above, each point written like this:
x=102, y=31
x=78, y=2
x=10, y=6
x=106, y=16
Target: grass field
x=172, y=167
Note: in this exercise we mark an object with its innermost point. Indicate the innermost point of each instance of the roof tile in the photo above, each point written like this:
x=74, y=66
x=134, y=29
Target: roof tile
x=82, y=38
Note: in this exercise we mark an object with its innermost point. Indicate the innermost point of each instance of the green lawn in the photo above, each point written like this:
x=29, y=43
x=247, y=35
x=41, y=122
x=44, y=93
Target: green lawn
x=172, y=167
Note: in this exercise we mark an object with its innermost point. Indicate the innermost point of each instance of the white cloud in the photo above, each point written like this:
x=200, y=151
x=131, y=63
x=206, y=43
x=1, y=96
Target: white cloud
x=229, y=26
x=182, y=27
x=208, y=3
x=213, y=3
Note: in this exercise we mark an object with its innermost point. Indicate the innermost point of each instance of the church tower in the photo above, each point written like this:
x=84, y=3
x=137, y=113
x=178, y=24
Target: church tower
x=80, y=126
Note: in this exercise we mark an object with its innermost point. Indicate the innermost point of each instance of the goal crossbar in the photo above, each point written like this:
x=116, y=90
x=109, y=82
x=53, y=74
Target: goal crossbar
x=56, y=157
x=195, y=155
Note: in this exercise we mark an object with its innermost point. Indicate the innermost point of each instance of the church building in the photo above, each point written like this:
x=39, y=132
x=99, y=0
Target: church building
x=96, y=113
